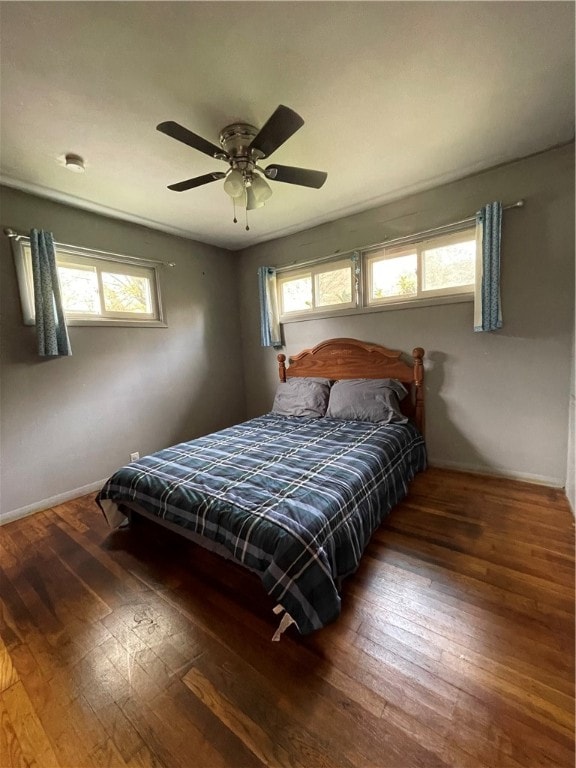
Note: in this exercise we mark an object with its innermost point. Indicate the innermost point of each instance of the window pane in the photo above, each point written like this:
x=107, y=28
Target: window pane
x=394, y=277
x=297, y=294
x=334, y=287
x=79, y=289
x=448, y=266
x=126, y=293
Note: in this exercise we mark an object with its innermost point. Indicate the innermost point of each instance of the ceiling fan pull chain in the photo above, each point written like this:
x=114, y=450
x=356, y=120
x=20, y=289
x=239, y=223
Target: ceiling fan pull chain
x=247, y=227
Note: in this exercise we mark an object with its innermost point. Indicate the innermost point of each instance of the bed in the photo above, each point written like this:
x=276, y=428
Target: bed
x=293, y=498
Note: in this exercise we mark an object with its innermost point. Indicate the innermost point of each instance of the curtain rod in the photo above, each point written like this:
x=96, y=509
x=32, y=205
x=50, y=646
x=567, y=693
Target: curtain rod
x=394, y=241
x=468, y=220
x=14, y=235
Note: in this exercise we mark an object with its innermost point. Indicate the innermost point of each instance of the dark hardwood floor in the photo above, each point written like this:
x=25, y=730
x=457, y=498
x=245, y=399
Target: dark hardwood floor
x=455, y=646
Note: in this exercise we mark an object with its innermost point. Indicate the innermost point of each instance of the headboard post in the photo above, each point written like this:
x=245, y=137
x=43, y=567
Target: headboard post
x=281, y=366
x=418, y=354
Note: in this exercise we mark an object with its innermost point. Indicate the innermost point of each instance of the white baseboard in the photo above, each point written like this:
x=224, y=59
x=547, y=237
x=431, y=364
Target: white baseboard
x=16, y=514
x=526, y=477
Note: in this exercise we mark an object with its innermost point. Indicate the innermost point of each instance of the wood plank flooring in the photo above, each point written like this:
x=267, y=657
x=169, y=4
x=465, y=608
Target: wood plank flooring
x=455, y=646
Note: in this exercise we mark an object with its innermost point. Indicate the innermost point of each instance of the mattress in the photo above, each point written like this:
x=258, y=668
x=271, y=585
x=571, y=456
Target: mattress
x=295, y=500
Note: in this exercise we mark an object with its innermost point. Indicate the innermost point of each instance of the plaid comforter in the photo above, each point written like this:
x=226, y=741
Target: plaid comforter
x=294, y=499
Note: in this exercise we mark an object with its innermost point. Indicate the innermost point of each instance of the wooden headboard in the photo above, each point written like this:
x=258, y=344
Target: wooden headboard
x=353, y=359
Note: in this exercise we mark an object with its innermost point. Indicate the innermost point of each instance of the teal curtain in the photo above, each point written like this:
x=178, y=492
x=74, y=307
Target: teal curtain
x=487, y=301
x=51, y=330
x=270, y=334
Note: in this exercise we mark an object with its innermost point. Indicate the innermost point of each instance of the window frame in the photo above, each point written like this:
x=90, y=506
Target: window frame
x=313, y=271
x=68, y=255
x=376, y=256
x=371, y=256
x=361, y=260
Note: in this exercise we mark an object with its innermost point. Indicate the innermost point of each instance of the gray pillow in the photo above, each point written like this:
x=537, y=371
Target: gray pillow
x=374, y=400
x=302, y=396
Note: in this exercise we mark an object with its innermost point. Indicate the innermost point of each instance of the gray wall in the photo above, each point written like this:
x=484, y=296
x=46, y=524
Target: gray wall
x=496, y=402
x=67, y=423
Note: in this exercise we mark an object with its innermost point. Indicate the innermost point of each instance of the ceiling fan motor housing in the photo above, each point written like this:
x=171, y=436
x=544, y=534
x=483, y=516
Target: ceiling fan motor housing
x=235, y=140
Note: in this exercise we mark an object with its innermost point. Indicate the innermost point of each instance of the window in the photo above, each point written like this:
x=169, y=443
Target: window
x=320, y=288
x=97, y=288
x=435, y=269
x=441, y=266
x=392, y=274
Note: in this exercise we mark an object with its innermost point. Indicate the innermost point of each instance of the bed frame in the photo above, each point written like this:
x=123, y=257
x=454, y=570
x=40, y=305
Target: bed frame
x=332, y=359
x=353, y=359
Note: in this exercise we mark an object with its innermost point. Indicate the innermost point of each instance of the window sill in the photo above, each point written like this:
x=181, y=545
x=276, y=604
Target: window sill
x=103, y=323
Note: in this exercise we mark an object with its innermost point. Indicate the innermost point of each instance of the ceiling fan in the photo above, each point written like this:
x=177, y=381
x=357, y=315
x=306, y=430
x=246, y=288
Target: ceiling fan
x=242, y=146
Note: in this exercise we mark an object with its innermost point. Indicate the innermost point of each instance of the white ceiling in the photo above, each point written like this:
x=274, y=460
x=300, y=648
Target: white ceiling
x=396, y=96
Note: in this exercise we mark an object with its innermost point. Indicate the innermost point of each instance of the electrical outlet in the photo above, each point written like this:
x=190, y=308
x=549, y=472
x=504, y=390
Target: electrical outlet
x=134, y=456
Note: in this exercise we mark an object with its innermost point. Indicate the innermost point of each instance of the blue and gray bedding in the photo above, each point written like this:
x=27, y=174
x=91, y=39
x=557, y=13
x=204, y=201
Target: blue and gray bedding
x=294, y=499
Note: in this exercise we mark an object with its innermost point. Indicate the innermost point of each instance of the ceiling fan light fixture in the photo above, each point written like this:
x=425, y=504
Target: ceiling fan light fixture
x=262, y=191
x=252, y=200
x=234, y=184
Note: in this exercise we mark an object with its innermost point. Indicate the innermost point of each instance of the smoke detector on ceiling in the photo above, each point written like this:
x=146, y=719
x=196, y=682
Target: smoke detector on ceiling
x=72, y=162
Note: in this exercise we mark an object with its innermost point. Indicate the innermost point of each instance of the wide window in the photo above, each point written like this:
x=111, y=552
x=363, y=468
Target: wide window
x=96, y=288
x=441, y=266
x=432, y=269
x=321, y=288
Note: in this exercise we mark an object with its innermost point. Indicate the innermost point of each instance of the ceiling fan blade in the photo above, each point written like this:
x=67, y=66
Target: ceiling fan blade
x=178, y=132
x=182, y=186
x=290, y=175
x=282, y=124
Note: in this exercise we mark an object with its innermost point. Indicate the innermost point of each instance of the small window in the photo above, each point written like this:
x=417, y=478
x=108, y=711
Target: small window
x=449, y=263
x=440, y=266
x=296, y=294
x=393, y=274
x=96, y=288
x=322, y=288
